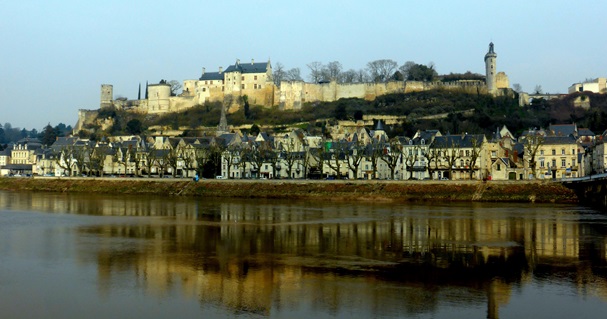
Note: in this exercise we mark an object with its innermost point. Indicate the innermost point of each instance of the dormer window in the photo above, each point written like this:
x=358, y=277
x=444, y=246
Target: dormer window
x=423, y=142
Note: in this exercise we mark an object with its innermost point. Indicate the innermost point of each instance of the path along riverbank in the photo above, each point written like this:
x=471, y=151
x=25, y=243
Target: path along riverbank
x=364, y=191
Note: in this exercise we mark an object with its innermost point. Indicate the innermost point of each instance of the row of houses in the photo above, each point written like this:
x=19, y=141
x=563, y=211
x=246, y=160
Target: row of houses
x=560, y=151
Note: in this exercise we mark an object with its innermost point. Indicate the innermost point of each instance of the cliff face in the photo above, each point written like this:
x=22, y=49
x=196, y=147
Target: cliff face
x=364, y=191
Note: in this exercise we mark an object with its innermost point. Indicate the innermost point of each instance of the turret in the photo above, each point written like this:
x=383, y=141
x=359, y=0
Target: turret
x=490, y=70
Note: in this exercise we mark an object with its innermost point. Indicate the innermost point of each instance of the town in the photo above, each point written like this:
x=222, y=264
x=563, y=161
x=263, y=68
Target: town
x=557, y=152
x=354, y=149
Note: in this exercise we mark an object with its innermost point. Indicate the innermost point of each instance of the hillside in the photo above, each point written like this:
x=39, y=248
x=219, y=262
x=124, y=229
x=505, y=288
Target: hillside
x=489, y=113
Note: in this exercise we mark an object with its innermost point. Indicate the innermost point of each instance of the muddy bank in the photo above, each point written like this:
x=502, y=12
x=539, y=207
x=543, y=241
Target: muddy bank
x=492, y=191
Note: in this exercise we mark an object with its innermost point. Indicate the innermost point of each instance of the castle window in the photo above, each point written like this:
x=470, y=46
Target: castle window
x=242, y=86
x=255, y=86
x=255, y=78
x=204, y=89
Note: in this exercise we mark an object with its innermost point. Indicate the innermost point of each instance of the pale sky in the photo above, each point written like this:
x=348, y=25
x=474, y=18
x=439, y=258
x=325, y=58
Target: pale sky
x=56, y=54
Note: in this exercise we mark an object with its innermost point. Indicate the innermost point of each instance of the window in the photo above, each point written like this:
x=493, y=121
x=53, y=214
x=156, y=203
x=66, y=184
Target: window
x=542, y=163
x=499, y=167
x=572, y=162
x=553, y=163
x=493, y=154
x=553, y=152
x=563, y=162
x=242, y=78
x=254, y=86
x=562, y=151
x=573, y=151
x=467, y=153
x=255, y=78
x=541, y=152
x=242, y=86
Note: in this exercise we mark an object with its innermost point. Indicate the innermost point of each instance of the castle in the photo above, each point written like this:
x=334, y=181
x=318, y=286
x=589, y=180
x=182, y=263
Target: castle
x=254, y=80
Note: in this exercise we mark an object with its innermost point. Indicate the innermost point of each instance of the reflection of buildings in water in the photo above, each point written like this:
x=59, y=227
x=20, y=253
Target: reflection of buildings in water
x=258, y=255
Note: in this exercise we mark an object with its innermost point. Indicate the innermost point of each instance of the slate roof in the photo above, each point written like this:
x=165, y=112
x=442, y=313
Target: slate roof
x=260, y=67
x=563, y=129
x=551, y=140
x=211, y=76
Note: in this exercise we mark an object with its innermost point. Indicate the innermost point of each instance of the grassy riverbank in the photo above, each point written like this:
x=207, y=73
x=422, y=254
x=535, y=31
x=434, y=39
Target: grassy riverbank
x=388, y=191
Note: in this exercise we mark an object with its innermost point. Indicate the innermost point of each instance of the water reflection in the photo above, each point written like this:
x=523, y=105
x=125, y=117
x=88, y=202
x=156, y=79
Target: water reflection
x=339, y=259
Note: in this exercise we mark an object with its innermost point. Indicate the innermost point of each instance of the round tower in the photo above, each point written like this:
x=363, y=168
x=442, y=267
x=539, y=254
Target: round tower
x=490, y=70
x=107, y=95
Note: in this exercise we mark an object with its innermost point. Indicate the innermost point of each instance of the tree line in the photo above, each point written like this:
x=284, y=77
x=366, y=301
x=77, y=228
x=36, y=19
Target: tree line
x=382, y=70
x=48, y=134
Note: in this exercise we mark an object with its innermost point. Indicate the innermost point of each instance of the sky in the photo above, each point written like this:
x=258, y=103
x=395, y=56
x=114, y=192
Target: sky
x=56, y=54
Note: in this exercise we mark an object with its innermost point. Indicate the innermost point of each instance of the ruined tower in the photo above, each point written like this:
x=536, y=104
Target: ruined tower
x=107, y=95
x=490, y=70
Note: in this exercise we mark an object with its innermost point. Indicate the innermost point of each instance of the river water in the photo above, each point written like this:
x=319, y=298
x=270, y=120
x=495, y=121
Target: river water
x=90, y=256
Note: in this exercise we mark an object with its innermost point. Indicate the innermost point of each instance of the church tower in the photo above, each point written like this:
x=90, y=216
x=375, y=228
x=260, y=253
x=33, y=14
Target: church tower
x=490, y=70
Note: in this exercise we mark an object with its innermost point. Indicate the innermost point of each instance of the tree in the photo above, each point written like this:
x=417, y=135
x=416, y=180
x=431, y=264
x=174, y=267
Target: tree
x=381, y=70
x=451, y=154
x=293, y=74
x=332, y=71
x=175, y=87
x=418, y=72
x=48, y=135
x=202, y=156
x=65, y=160
x=150, y=158
x=354, y=156
x=188, y=158
x=432, y=156
x=316, y=74
x=538, y=89
x=532, y=143
x=475, y=142
x=97, y=159
x=81, y=156
x=278, y=73
x=392, y=156
x=517, y=88
x=349, y=76
x=337, y=157
x=374, y=153
x=134, y=127
x=411, y=156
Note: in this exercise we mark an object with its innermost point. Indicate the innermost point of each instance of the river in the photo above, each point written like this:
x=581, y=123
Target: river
x=99, y=256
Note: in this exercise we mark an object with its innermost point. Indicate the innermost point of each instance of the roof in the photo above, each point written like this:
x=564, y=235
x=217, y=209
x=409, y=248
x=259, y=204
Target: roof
x=248, y=67
x=211, y=76
x=585, y=132
x=552, y=140
x=563, y=129
x=464, y=141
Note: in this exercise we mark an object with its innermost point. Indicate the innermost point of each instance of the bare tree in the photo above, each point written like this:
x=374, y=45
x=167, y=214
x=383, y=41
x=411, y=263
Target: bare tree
x=532, y=143
x=451, y=154
x=278, y=73
x=175, y=87
x=202, y=156
x=517, y=87
x=332, y=71
x=393, y=156
x=349, y=76
x=316, y=74
x=381, y=70
x=476, y=143
x=65, y=159
x=150, y=159
x=293, y=74
x=354, y=156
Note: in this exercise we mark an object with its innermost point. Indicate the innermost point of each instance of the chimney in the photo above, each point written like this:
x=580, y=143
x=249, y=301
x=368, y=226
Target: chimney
x=237, y=61
x=252, y=61
x=220, y=70
x=203, y=70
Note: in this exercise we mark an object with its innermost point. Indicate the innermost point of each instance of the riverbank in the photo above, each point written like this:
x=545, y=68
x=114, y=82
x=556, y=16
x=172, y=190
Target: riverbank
x=364, y=191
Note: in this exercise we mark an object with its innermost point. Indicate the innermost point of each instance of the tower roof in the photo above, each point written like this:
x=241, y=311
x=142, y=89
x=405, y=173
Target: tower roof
x=491, y=53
